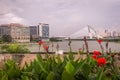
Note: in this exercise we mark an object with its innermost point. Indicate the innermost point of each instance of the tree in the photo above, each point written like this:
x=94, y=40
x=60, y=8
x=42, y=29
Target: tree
x=6, y=38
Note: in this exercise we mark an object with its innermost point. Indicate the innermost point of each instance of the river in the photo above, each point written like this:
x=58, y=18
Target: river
x=93, y=45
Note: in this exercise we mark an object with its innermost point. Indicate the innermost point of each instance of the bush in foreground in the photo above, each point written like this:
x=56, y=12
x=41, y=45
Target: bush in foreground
x=55, y=68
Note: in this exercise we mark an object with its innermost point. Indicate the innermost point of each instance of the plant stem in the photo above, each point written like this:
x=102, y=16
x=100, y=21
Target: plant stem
x=86, y=44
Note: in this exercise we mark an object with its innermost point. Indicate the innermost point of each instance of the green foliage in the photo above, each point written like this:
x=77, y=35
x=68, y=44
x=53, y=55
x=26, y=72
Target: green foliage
x=69, y=68
x=55, y=39
x=50, y=76
x=14, y=48
x=6, y=38
x=55, y=68
x=11, y=71
x=67, y=76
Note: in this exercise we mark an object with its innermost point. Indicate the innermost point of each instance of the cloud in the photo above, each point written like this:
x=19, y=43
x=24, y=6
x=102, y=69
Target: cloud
x=7, y=13
x=11, y=18
x=64, y=16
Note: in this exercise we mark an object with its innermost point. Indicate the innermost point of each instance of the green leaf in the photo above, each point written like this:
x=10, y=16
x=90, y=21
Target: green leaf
x=71, y=57
x=69, y=68
x=42, y=67
x=81, y=64
x=40, y=62
x=11, y=67
x=39, y=58
x=4, y=77
x=116, y=77
x=86, y=69
x=67, y=76
x=50, y=76
x=101, y=75
x=24, y=77
x=59, y=59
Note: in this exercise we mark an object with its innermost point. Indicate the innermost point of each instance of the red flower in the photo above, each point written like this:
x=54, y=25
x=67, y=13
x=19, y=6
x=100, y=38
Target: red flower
x=46, y=48
x=101, y=61
x=94, y=56
x=80, y=49
x=99, y=41
x=96, y=52
x=40, y=42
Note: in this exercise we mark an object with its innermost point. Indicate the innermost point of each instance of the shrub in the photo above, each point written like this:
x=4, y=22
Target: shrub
x=14, y=48
x=11, y=71
x=54, y=68
x=6, y=38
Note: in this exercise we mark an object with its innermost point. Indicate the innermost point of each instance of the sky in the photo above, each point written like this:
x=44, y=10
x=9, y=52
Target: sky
x=64, y=17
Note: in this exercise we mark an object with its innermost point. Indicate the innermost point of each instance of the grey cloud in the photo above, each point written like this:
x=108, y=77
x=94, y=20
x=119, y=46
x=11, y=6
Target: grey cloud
x=8, y=13
x=64, y=16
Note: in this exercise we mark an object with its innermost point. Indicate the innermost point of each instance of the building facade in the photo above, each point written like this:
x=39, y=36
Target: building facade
x=43, y=31
x=18, y=32
x=34, y=33
x=4, y=30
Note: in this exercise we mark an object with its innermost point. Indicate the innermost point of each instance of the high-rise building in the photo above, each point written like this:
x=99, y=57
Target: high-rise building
x=43, y=31
x=40, y=32
x=34, y=33
x=18, y=32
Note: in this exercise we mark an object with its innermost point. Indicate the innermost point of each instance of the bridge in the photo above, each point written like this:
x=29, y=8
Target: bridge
x=88, y=31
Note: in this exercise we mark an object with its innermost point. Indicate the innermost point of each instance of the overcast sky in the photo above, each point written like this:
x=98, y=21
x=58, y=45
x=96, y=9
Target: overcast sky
x=64, y=16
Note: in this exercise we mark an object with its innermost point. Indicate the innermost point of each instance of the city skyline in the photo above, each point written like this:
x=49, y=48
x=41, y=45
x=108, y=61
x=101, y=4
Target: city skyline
x=64, y=16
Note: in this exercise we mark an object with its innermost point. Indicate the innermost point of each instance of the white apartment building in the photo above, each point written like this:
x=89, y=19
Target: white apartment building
x=43, y=31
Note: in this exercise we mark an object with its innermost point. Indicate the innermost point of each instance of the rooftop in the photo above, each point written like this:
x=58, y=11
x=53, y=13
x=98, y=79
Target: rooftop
x=13, y=25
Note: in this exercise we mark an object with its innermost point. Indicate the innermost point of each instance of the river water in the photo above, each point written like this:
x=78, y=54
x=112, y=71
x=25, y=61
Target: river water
x=75, y=45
